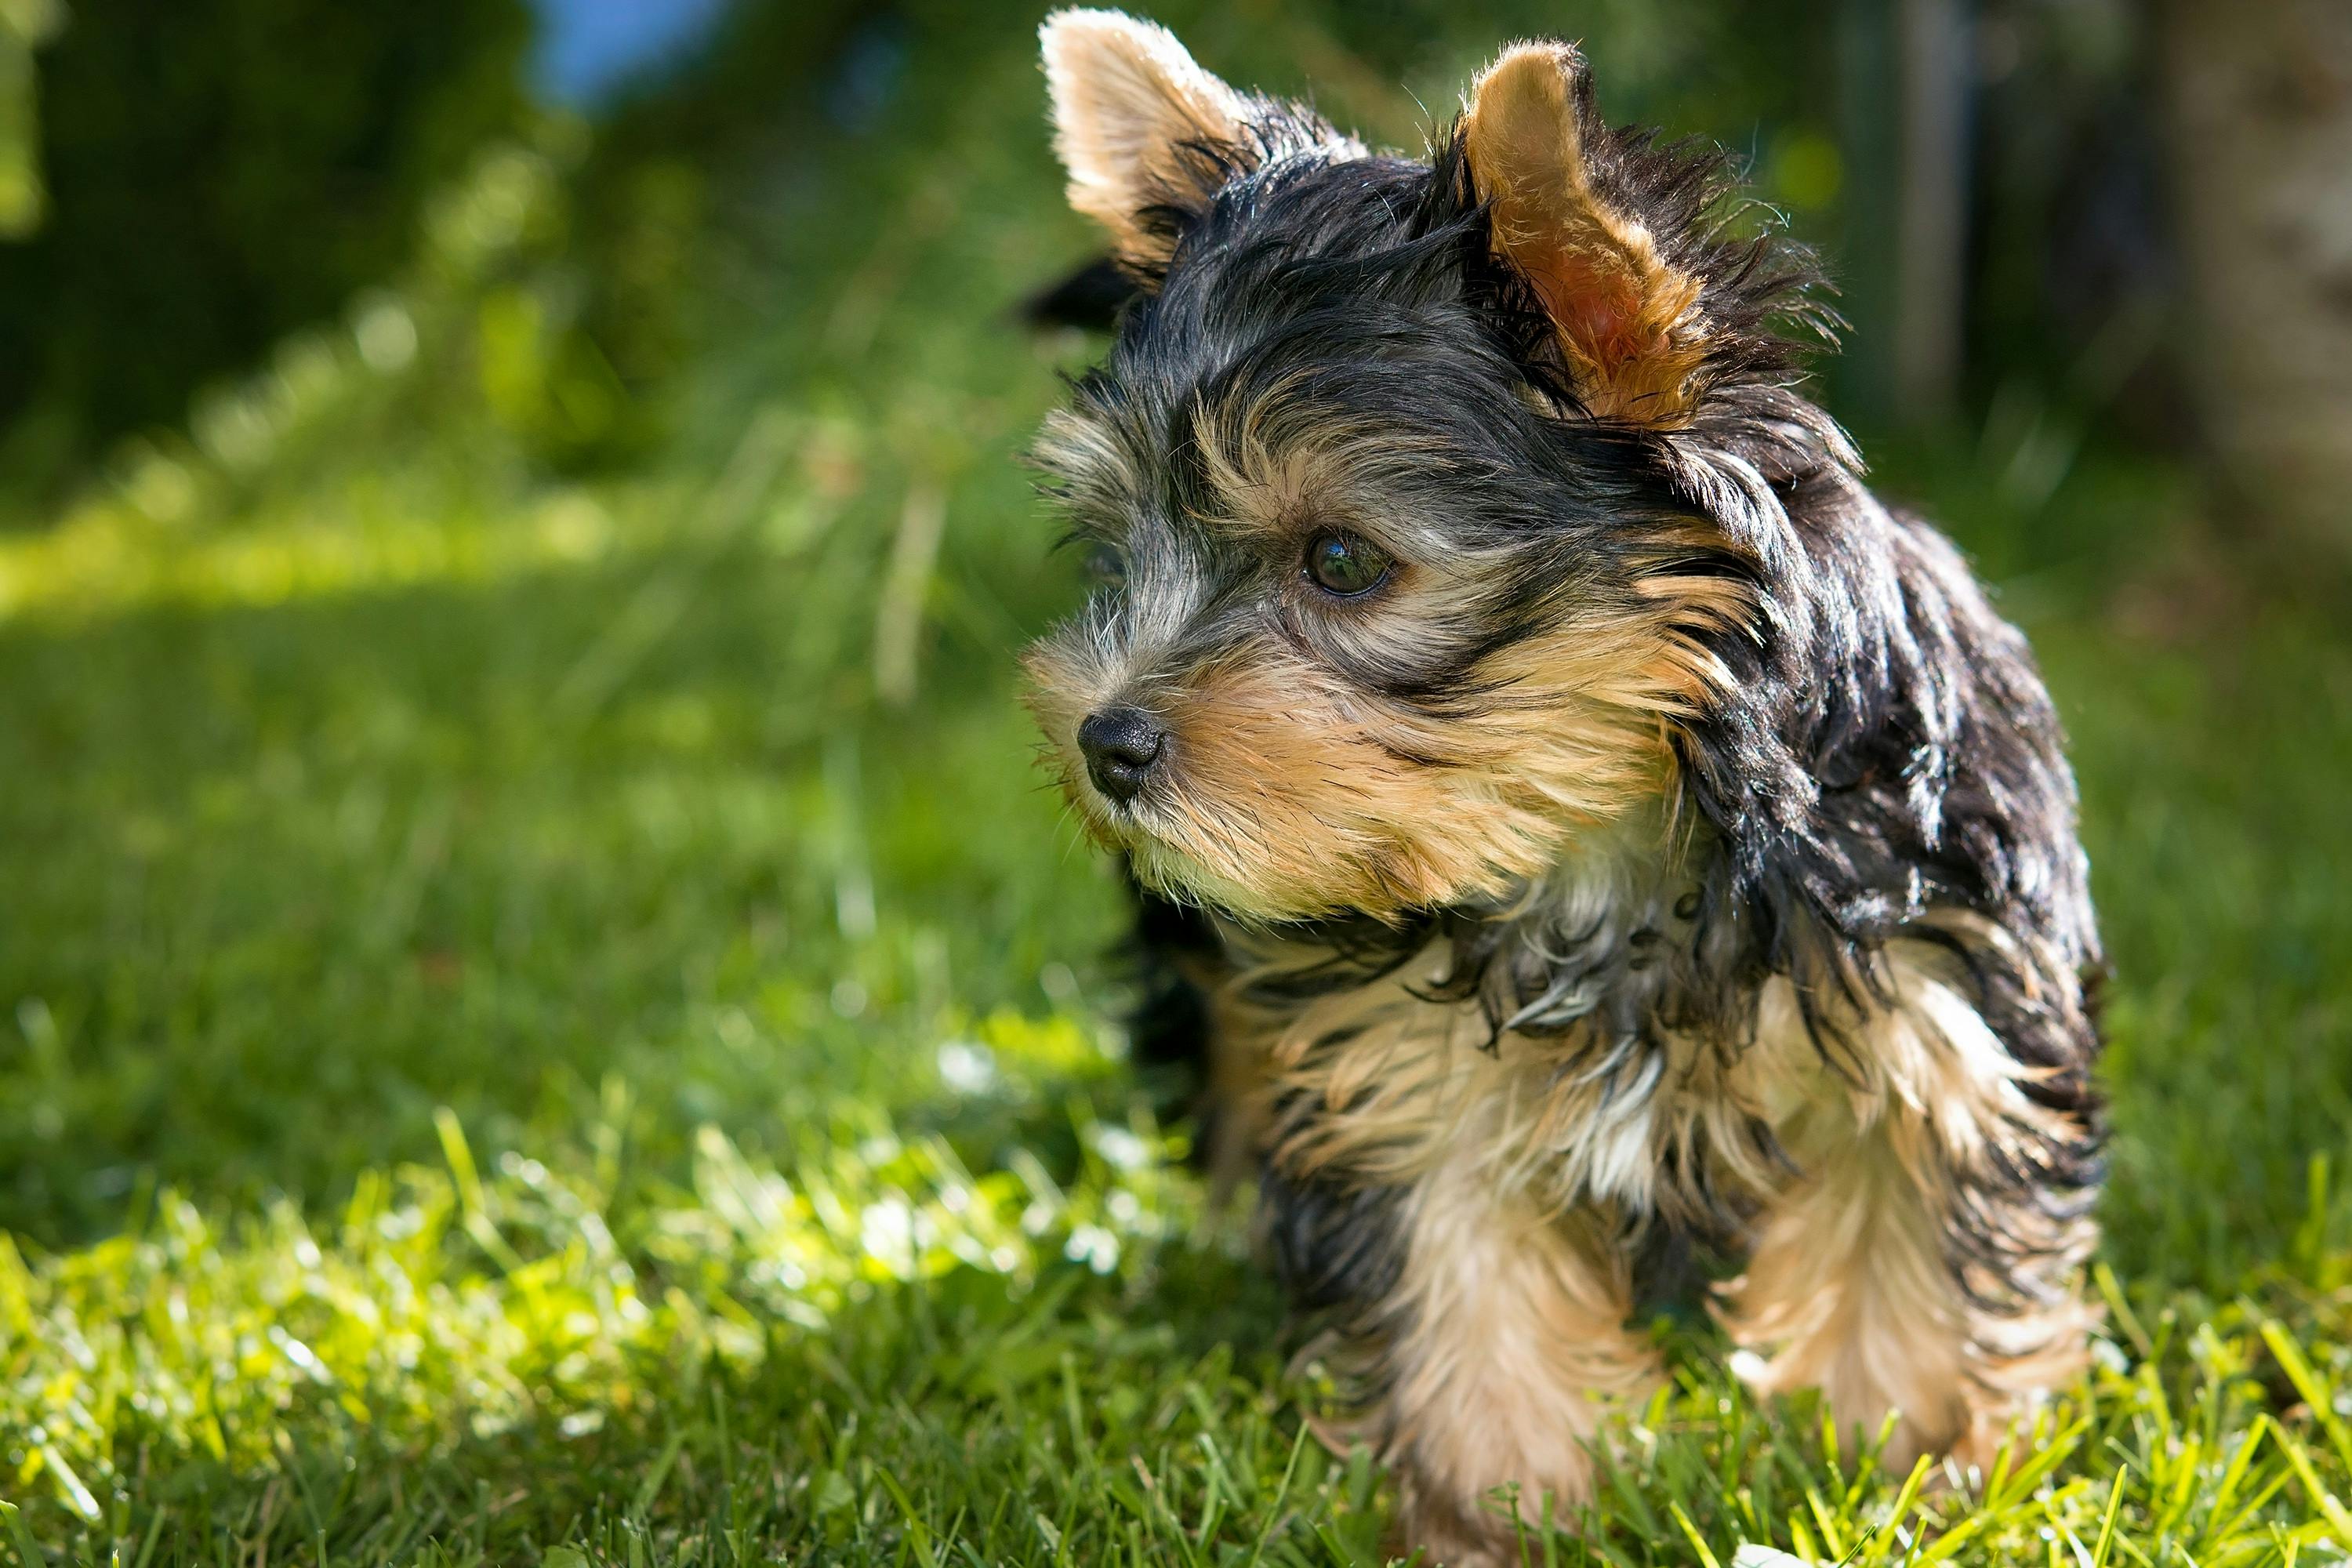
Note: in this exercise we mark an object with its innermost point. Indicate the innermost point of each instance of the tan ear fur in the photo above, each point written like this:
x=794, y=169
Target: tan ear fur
x=1629, y=324
x=1128, y=106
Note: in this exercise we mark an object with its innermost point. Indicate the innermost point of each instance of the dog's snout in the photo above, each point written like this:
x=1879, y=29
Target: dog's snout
x=1121, y=746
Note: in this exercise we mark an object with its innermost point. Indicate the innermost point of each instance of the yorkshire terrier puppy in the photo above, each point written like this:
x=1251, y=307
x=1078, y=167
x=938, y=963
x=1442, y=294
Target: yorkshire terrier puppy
x=1580, y=809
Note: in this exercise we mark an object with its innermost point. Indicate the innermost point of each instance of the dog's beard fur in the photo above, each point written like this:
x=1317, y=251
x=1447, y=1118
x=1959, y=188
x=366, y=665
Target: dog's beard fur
x=1674, y=837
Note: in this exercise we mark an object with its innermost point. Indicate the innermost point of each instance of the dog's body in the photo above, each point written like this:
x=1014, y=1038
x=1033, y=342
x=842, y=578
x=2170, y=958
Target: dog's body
x=1591, y=810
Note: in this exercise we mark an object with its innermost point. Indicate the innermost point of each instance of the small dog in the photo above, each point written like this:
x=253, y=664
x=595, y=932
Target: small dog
x=1581, y=811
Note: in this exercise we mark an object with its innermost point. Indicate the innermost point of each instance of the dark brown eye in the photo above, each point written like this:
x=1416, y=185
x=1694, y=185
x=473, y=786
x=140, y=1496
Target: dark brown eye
x=1343, y=564
x=1107, y=566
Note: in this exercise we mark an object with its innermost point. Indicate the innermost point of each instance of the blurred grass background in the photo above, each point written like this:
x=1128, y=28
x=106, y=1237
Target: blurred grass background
x=543, y=1006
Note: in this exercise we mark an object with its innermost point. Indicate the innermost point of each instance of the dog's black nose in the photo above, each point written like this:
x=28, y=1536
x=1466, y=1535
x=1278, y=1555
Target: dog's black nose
x=1121, y=744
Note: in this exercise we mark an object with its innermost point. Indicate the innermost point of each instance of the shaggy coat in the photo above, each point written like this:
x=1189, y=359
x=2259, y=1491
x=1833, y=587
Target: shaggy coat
x=1567, y=806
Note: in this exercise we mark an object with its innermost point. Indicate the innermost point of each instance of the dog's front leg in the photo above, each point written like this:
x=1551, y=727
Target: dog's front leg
x=1924, y=1263
x=1512, y=1343
x=1492, y=1336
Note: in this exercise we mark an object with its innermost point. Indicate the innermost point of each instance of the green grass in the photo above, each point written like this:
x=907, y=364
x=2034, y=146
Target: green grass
x=522, y=1040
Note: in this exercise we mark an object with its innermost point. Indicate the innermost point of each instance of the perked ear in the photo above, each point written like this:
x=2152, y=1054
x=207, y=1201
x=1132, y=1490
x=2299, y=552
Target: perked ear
x=1138, y=124
x=1630, y=325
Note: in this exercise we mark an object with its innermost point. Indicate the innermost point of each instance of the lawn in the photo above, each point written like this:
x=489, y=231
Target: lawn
x=545, y=1013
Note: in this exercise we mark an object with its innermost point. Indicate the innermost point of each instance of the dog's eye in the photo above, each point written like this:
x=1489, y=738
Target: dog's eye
x=1107, y=566
x=1343, y=564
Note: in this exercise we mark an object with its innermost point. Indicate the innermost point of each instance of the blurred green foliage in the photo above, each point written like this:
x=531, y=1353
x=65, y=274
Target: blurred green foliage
x=287, y=161
x=24, y=27
x=218, y=173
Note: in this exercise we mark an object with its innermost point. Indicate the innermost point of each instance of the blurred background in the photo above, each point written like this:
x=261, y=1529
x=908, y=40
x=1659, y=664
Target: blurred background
x=2051, y=219
x=484, y=485
x=512, y=547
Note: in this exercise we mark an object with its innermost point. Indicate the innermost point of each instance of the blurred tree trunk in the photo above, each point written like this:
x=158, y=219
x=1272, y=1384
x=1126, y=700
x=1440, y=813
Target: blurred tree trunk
x=2259, y=97
x=1905, y=73
x=1939, y=67
x=1869, y=104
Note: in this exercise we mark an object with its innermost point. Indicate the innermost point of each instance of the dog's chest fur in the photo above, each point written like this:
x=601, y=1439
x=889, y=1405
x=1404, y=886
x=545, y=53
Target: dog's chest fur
x=1598, y=1044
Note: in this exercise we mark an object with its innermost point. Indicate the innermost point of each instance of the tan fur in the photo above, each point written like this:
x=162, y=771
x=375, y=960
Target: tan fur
x=1848, y=1287
x=1507, y=1342
x=1092, y=470
x=1384, y=1083
x=1514, y=1352
x=1288, y=795
x=1629, y=324
x=1239, y=1089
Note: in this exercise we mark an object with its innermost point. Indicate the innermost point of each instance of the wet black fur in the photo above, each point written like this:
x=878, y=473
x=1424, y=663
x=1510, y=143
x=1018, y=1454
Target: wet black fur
x=1887, y=748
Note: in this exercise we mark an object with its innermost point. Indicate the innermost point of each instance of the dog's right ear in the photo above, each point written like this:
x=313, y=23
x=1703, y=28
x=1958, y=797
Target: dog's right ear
x=1632, y=325
x=1146, y=134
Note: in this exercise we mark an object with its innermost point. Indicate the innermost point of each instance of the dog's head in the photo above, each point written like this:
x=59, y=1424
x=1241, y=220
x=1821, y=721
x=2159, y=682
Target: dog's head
x=1425, y=497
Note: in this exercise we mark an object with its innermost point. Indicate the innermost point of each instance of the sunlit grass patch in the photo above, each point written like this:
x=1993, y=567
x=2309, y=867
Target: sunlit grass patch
x=453, y=1303
x=106, y=559
x=887, y=1354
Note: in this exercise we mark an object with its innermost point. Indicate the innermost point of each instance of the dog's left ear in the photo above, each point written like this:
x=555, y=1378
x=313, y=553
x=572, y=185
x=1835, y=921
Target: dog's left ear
x=1631, y=326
